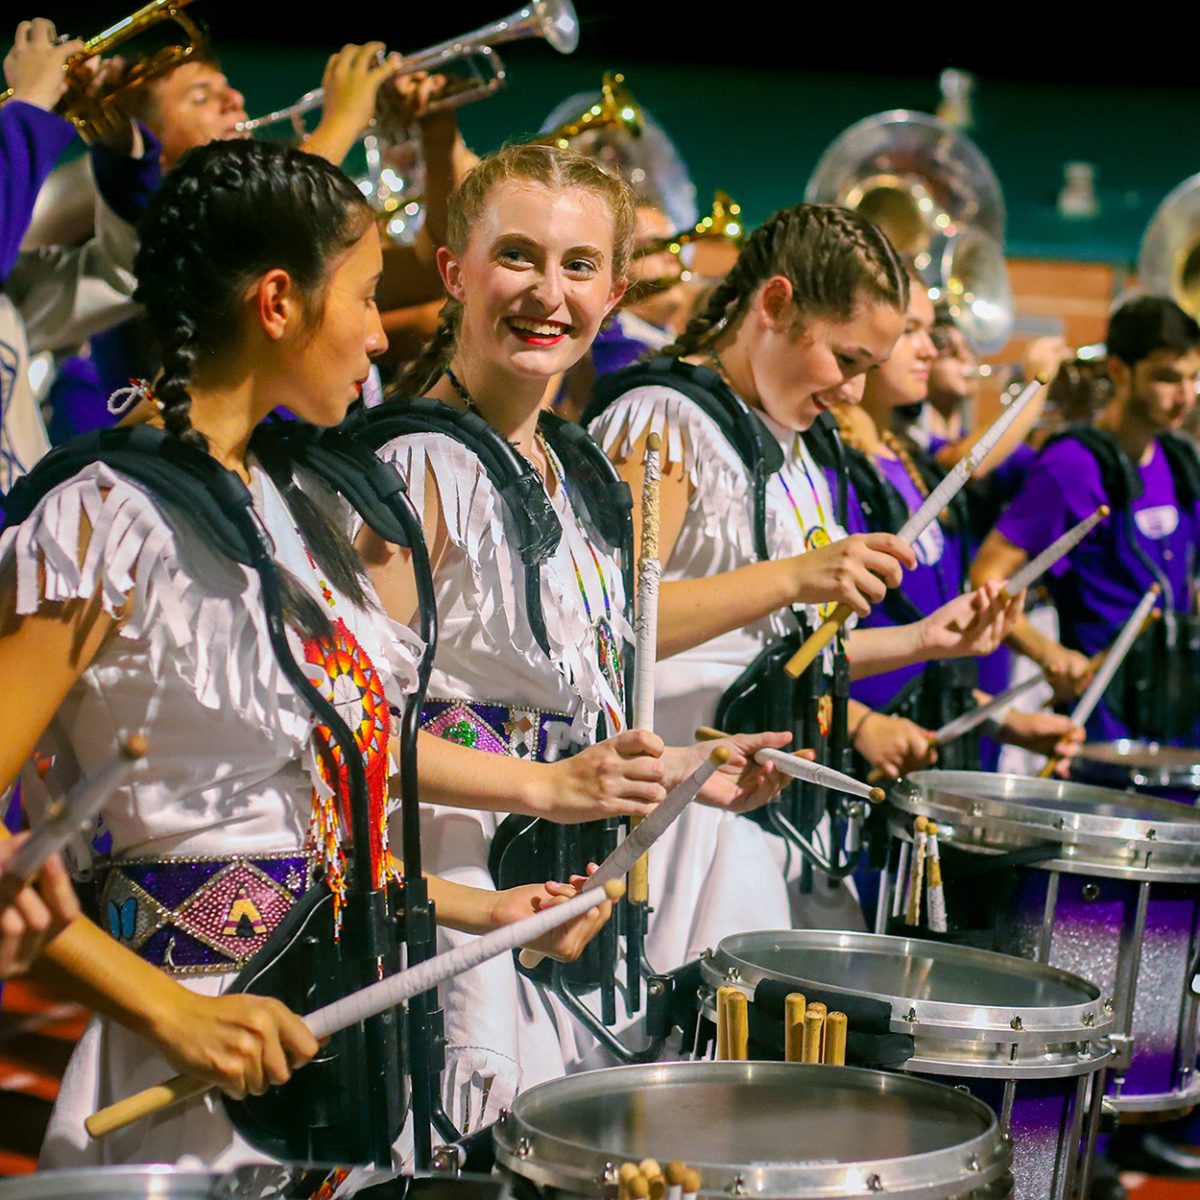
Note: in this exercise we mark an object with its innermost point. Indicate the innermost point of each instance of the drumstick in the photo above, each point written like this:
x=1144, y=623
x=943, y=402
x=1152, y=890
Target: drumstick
x=793, y=1028
x=646, y=653
x=737, y=1014
x=916, y=878
x=996, y=705
x=676, y=1177
x=691, y=1184
x=933, y=873
x=836, y=1026
x=649, y=830
x=1033, y=570
x=723, y=994
x=368, y=1002
x=955, y=480
x=1130, y=632
x=801, y=768
x=65, y=816
x=814, y=1033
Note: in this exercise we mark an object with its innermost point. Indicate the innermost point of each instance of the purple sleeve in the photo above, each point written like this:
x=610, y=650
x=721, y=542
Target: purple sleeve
x=1061, y=488
x=31, y=140
x=126, y=184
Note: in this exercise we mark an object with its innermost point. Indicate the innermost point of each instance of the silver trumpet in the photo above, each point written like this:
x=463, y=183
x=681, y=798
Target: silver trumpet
x=553, y=20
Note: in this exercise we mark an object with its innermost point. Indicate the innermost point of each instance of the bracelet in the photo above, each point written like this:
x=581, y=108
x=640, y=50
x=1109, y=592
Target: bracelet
x=862, y=721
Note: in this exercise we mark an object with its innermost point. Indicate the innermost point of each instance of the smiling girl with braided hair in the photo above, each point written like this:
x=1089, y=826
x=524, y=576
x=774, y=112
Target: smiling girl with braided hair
x=750, y=543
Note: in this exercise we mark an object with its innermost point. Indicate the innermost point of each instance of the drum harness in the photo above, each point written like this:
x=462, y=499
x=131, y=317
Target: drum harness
x=527, y=849
x=362, y=1067
x=1155, y=692
x=763, y=696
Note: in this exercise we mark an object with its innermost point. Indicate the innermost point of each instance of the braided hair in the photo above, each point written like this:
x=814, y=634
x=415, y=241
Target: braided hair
x=833, y=258
x=550, y=166
x=227, y=214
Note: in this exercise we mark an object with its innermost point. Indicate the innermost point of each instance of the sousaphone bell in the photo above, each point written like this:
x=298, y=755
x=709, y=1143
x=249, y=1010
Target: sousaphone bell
x=934, y=194
x=1169, y=259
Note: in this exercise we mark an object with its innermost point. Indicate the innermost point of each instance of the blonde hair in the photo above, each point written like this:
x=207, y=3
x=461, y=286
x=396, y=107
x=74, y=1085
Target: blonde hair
x=553, y=168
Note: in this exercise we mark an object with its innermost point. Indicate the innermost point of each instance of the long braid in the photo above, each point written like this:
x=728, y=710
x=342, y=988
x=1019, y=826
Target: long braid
x=833, y=258
x=898, y=447
x=429, y=366
x=226, y=214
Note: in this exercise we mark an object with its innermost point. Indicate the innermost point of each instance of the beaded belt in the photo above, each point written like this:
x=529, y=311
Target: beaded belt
x=201, y=916
x=500, y=728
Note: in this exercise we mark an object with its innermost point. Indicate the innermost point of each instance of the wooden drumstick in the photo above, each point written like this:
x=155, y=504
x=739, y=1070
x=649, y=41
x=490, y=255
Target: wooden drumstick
x=646, y=628
x=1033, y=570
x=802, y=768
x=836, y=1026
x=955, y=480
x=639, y=1187
x=723, y=994
x=793, y=1028
x=676, y=1177
x=933, y=874
x=691, y=1184
x=368, y=1002
x=916, y=878
x=737, y=1015
x=1130, y=632
x=814, y=1032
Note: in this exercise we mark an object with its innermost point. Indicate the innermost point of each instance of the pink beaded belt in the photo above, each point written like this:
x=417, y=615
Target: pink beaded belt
x=500, y=728
x=201, y=916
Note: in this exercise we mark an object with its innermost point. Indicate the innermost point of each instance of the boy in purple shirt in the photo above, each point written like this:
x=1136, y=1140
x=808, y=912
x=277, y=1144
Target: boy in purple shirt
x=1133, y=460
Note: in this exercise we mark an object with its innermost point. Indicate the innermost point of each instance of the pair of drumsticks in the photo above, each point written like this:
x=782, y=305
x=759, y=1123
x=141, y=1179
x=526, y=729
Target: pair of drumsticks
x=925, y=871
x=647, y=1181
x=811, y=1034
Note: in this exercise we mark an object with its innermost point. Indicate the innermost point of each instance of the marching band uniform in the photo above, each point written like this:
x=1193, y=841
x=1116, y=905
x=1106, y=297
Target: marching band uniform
x=494, y=689
x=202, y=854
x=701, y=866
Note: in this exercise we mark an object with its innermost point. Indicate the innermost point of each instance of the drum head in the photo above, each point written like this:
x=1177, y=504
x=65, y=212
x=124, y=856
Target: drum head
x=959, y=987
x=783, y=1129
x=1099, y=830
x=1130, y=764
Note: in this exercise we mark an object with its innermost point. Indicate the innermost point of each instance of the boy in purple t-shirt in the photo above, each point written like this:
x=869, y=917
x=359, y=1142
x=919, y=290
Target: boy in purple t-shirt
x=1154, y=361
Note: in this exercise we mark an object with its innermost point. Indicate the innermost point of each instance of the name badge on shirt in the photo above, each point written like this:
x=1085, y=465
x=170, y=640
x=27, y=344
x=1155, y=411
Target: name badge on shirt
x=1157, y=522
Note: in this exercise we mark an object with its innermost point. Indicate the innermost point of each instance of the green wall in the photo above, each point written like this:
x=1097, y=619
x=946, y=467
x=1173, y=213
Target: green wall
x=758, y=134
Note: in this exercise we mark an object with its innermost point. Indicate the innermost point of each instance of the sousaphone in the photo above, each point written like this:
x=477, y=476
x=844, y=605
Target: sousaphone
x=935, y=195
x=1169, y=260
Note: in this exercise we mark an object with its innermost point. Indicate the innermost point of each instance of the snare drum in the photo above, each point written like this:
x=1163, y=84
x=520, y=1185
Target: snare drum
x=1171, y=772
x=160, y=1182
x=1028, y=1040
x=1097, y=882
x=760, y=1129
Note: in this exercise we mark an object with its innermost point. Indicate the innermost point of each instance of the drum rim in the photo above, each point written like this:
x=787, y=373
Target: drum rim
x=1120, y=761
x=1167, y=835
x=556, y=1162
x=1086, y=1021
x=53, y=1183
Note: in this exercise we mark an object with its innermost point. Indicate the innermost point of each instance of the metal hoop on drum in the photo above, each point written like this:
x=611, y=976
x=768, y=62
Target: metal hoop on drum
x=1094, y=881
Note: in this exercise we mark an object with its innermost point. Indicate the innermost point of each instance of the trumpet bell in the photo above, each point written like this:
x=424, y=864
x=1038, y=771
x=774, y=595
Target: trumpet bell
x=557, y=23
x=1169, y=259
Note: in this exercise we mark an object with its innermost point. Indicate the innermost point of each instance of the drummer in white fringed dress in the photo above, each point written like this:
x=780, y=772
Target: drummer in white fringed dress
x=537, y=248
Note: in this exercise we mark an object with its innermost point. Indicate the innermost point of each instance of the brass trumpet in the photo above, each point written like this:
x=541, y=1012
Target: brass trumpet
x=140, y=71
x=554, y=20
x=616, y=109
x=722, y=224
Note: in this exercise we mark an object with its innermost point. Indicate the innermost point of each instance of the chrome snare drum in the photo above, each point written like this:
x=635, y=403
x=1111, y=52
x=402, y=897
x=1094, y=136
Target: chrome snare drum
x=762, y=1129
x=1098, y=882
x=1170, y=772
x=1028, y=1040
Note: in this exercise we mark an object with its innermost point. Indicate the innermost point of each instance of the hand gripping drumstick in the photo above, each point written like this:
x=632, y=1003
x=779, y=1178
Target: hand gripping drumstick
x=955, y=480
x=649, y=830
x=1033, y=570
x=67, y=815
x=801, y=768
x=646, y=623
x=367, y=1002
x=1130, y=632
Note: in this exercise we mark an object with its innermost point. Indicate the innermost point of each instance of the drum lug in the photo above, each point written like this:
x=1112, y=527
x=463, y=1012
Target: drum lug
x=874, y=1183
x=733, y=975
x=1109, y=1007
x=1089, y=1019
x=447, y=1160
x=911, y=1016
x=973, y=1163
x=739, y=1187
x=610, y=1179
x=524, y=1147
x=1122, y=1045
x=1016, y=1023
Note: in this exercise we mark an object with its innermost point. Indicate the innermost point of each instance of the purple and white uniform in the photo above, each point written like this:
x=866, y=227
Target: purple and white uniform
x=1099, y=583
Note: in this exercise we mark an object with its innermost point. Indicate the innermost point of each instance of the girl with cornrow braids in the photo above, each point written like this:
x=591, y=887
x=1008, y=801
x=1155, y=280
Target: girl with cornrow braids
x=889, y=478
x=538, y=244
x=815, y=300
x=258, y=266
